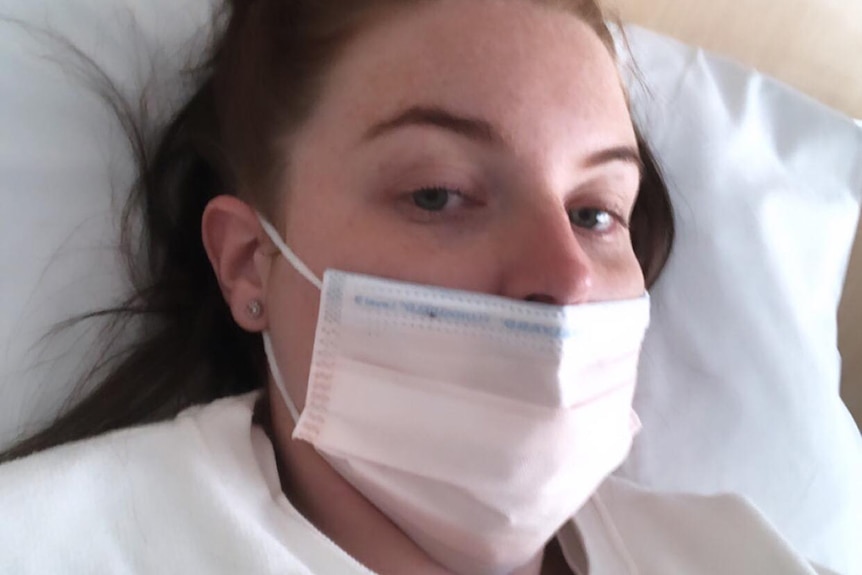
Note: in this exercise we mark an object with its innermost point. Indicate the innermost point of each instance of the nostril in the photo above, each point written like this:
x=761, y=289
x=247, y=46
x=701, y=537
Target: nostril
x=541, y=298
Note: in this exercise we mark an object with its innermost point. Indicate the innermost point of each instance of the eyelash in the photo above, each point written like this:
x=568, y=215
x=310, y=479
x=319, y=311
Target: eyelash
x=431, y=215
x=615, y=218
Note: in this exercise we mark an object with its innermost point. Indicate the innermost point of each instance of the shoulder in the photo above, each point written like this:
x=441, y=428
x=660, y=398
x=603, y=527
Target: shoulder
x=198, y=494
x=129, y=496
x=183, y=441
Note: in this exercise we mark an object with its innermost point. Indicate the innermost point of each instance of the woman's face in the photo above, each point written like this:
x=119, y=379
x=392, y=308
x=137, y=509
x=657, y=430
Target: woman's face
x=483, y=146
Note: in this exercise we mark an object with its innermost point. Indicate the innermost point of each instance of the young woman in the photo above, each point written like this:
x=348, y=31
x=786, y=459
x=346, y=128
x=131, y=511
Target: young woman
x=407, y=242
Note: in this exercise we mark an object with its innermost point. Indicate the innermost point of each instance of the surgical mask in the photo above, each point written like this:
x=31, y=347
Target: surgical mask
x=478, y=424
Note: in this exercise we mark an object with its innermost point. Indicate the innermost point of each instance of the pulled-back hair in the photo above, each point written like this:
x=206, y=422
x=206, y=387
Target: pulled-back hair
x=259, y=84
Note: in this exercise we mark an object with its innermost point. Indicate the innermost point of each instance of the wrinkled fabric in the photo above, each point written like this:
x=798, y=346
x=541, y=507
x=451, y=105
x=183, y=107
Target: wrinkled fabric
x=201, y=494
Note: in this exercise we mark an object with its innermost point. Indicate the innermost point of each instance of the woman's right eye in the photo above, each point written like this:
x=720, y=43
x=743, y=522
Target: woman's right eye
x=433, y=199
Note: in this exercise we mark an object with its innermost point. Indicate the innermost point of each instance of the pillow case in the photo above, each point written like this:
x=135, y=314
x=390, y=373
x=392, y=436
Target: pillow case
x=65, y=168
x=740, y=370
x=740, y=374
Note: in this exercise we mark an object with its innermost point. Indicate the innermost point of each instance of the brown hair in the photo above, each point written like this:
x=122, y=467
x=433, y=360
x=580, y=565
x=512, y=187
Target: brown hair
x=259, y=84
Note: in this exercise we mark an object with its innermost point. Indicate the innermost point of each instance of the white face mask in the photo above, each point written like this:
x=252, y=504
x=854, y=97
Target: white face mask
x=478, y=424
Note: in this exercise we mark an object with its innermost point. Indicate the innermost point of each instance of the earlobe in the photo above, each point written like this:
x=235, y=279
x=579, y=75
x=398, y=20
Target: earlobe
x=231, y=236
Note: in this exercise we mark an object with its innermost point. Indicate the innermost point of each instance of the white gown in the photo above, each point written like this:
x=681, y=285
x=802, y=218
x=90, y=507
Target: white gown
x=200, y=494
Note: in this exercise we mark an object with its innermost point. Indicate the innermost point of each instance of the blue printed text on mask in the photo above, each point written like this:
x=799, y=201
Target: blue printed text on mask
x=424, y=310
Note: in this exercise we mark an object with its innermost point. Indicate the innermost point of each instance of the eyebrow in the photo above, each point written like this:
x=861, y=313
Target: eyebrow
x=627, y=154
x=482, y=131
x=473, y=128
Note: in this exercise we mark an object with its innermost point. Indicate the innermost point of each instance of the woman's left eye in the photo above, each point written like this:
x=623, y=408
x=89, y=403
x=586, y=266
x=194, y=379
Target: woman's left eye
x=593, y=219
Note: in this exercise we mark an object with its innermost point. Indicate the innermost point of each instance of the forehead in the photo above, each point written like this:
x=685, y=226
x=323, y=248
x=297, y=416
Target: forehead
x=530, y=70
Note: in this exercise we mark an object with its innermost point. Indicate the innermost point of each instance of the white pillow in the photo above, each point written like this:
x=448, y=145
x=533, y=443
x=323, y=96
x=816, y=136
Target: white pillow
x=739, y=390
x=740, y=375
x=65, y=169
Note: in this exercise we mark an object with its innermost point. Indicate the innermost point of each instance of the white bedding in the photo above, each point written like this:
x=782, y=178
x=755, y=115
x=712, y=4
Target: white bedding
x=739, y=387
x=201, y=495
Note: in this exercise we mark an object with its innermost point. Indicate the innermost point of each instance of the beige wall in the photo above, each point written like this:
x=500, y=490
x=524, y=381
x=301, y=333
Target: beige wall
x=814, y=45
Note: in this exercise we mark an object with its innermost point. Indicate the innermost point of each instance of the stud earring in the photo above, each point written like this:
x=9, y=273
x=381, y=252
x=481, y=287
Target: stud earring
x=254, y=308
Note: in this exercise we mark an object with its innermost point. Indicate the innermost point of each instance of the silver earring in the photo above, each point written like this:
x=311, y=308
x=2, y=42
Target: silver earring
x=254, y=308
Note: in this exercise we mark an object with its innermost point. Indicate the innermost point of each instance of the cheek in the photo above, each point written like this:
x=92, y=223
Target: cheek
x=292, y=304
x=617, y=277
x=627, y=279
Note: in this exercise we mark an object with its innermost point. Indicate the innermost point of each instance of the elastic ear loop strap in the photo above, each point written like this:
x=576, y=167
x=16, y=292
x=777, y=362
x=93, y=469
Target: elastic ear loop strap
x=288, y=254
x=305, y=272
x=276, y=375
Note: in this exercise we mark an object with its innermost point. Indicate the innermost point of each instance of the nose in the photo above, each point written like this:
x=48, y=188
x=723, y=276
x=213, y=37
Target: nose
x=547, y=263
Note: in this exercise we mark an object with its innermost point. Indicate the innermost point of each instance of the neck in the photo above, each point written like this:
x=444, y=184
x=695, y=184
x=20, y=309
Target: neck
x=343, y=514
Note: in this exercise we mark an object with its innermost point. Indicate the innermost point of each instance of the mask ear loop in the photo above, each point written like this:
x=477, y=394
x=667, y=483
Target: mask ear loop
x=288, y=254
x=276, y=375
x=305, y=272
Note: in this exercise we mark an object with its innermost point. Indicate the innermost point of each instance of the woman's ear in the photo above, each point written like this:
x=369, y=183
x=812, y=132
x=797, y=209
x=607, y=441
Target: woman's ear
x=232, y=239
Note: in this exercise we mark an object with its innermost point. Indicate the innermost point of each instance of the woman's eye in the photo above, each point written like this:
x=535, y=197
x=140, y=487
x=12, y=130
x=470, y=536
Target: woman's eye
x=432, y=199
x=593, y=219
